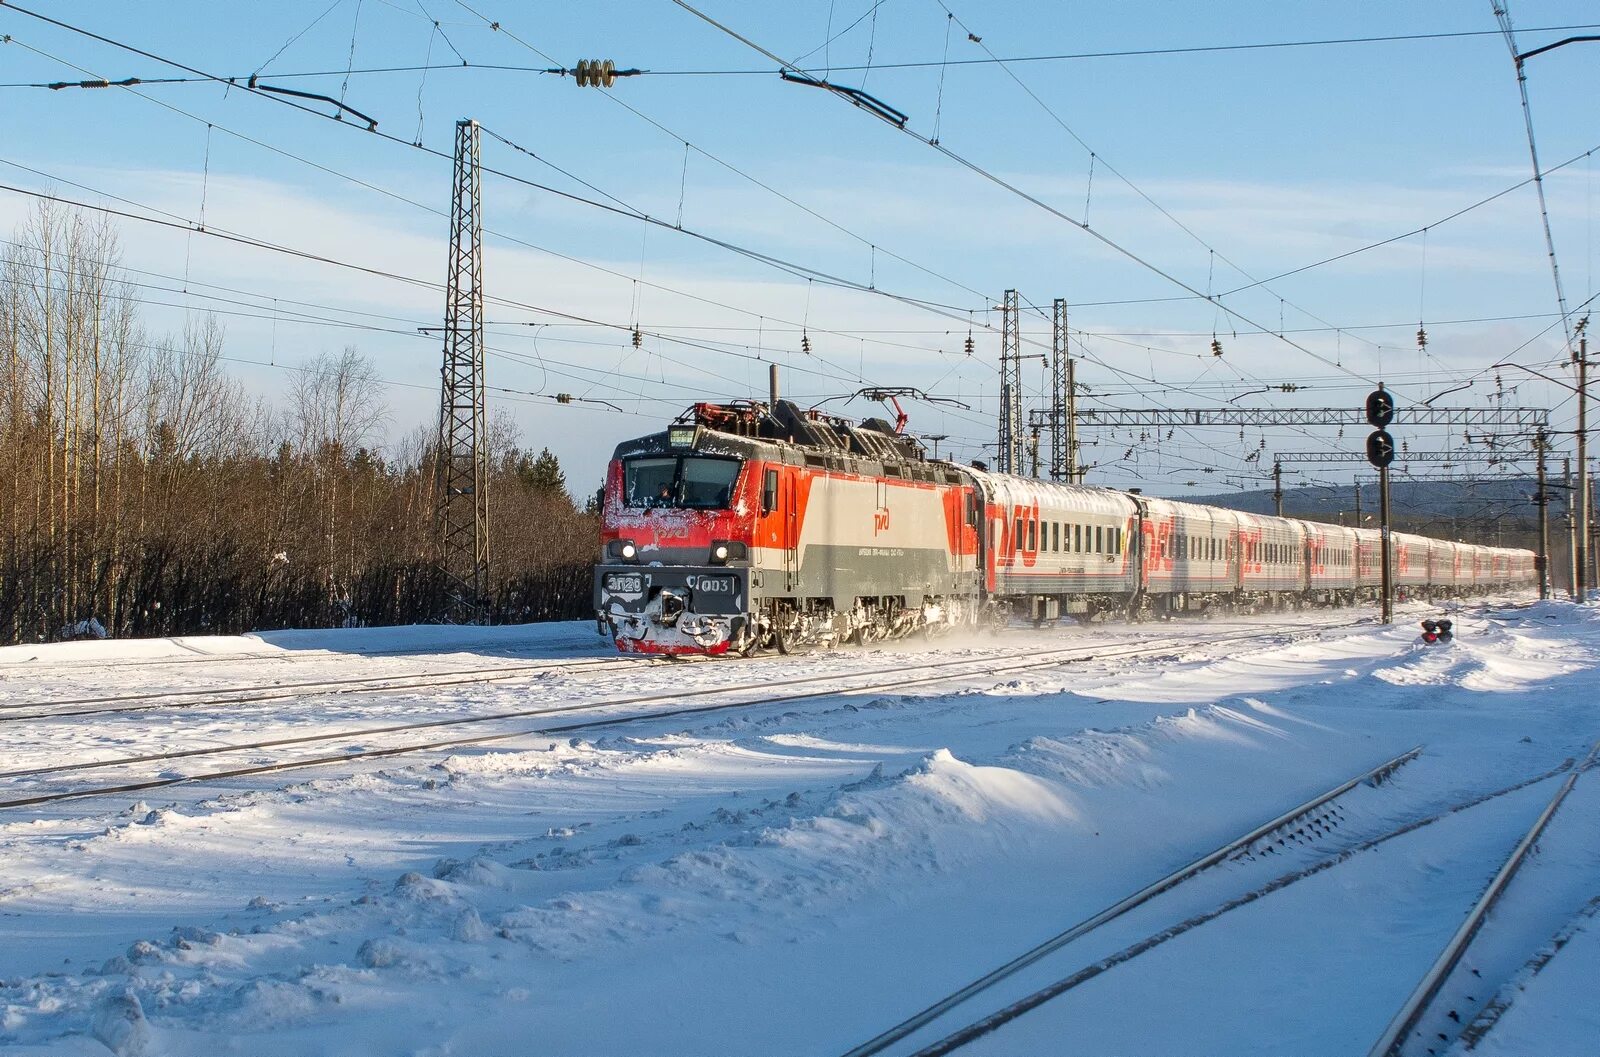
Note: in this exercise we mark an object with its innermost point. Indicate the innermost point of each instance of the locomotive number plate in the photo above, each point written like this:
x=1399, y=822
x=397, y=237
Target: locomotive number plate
x=715, y=585
x=625, y=583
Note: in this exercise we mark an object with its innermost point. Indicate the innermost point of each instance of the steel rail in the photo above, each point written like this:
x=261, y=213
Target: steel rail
x=249, y=695
x=878, y=1043
x=1056, y=659
x=999, y=1018
x=286, y=655
x=378, y=684
x=276, y=691
x=1490, y=1014
x=1392, y=1042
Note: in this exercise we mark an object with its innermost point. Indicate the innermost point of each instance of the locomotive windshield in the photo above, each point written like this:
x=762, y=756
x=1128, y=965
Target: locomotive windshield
x=699, y=482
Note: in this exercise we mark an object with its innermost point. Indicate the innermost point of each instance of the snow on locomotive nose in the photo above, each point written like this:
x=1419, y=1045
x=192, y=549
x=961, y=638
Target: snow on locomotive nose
x=751, y=526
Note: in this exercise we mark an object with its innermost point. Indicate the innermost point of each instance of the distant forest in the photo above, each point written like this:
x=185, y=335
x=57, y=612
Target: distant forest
x=143, y=489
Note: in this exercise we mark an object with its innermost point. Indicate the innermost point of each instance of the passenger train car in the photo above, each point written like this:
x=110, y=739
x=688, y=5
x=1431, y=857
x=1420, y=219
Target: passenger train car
x=752, y=526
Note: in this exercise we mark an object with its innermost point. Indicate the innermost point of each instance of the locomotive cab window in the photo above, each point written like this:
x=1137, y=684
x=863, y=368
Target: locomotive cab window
x=694, y=481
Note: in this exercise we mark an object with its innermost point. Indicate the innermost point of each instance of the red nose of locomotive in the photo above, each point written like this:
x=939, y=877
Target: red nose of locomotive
x=676, y=532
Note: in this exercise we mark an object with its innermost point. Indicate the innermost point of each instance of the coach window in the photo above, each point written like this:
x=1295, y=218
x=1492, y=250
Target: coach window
x=1077, y=538
x=1033, y=535
x=1017, y=537
x=1055, y=535
x=1097, y=544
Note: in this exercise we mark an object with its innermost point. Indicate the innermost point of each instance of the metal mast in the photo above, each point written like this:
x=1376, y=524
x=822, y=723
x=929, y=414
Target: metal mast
x=1061, y=455
x=461, y=481
x=1010, y=460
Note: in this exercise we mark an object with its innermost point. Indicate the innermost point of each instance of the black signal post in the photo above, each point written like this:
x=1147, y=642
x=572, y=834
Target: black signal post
x=1380, y=452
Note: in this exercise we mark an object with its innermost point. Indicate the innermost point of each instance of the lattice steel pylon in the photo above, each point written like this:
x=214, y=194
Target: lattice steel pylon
x=1010, y=459
x=1061, y=457
x=461, y=478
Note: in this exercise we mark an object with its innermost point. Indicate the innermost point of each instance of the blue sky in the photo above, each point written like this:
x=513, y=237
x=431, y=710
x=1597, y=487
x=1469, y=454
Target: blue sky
x=1274, y=158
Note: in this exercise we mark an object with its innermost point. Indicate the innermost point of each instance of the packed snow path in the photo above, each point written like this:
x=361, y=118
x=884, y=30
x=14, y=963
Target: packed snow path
x=786, y=879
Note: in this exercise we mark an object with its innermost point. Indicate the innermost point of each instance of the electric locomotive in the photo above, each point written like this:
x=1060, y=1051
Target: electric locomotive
x=751, y=526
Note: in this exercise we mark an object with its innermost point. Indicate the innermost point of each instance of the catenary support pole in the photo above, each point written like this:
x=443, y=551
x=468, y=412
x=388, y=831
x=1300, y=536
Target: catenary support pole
x=462, y=458
x=1010, y=437
x=1583, y=574
x=1572, y=532
x=1074, y=467
x=1542, y=498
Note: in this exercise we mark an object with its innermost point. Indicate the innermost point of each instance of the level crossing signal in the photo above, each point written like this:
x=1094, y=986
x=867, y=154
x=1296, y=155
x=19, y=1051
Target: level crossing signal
x=1380, y=412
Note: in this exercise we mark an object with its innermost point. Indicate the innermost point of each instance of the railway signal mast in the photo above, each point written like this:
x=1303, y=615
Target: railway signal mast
x=461, y=461
x=1380, y=452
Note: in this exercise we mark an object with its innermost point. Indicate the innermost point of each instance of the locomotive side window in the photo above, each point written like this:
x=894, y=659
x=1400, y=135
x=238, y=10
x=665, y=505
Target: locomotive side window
x=696, y=481
x=769, y=491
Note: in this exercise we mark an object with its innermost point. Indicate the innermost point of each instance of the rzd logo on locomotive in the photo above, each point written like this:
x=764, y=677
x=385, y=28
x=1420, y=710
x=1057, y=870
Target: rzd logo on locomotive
x=880, y=521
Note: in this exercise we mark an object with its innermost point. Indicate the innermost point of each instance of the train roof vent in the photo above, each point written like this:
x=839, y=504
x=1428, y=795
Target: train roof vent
x=877, y=425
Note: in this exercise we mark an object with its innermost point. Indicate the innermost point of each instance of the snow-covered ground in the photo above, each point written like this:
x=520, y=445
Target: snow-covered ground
x=790, y=878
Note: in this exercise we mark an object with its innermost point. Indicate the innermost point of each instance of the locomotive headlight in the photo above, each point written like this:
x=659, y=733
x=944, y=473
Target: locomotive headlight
x=724, y=551
x=623, y=549
x=629, y=550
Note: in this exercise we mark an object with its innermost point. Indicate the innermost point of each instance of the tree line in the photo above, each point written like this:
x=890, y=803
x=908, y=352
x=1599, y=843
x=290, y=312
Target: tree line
x=144, y=491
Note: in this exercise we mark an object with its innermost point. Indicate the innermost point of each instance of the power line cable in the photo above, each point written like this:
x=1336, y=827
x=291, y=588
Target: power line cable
x=1502, y=14
x=1026, y=196
x=925, y=64
x=498, y=234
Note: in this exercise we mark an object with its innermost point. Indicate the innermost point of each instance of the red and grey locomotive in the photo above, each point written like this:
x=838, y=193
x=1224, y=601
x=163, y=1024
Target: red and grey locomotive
x=751, y=526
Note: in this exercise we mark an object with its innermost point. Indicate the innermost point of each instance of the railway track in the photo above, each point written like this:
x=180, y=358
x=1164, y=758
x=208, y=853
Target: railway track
x=1438, y=1010
x=879, y=680
x=32, y=666
x=17, y=711
x=200, y=697
x=988, y=1024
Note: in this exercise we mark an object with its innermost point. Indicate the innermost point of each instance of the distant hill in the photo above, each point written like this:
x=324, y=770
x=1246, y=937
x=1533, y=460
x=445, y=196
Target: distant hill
x=1510, y=498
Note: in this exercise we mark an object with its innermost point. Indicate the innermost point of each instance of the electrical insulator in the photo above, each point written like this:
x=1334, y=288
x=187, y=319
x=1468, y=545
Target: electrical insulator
x=969, y=344
x=805, y=343
x=1216, y=347
x=1422, y=338
x=563, y=398
x=638, y=338
x=595, y=73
